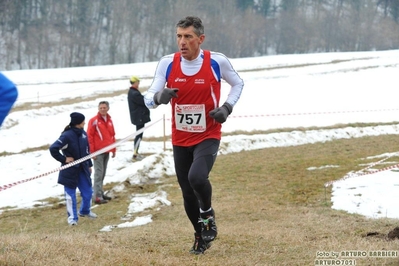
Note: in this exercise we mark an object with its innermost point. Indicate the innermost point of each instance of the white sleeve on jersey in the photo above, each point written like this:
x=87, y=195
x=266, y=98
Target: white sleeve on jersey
x=159, y=81
x=228, y=73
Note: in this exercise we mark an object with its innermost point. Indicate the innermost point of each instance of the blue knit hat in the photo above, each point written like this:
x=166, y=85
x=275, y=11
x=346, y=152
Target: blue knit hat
x=76, y=118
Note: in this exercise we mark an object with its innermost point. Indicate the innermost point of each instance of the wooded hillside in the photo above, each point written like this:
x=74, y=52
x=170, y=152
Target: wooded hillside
x=69, y=33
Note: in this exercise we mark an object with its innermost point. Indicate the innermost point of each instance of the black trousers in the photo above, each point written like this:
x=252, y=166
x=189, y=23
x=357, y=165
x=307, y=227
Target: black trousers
x=138, y=139
x=193, y=165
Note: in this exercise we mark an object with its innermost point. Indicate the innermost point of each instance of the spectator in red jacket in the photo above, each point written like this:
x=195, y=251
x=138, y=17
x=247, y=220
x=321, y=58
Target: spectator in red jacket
x=101, y=133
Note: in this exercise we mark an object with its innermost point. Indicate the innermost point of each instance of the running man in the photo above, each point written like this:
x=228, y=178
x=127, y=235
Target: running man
x=193, y=83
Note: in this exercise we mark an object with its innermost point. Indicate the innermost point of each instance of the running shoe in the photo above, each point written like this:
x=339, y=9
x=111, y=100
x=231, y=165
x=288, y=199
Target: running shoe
x=99, y=200
x=199, y=246
x=91, y=215
x=137, y=157
x=208, y=225
x=106, y=197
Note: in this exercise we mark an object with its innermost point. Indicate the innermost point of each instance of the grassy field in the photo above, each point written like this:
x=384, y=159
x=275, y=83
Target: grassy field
x=270, y=210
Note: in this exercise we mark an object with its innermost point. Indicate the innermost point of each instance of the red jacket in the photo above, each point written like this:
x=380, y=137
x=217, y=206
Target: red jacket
x=101, y=133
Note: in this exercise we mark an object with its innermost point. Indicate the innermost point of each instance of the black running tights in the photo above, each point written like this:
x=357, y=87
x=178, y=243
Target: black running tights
x=193, y=165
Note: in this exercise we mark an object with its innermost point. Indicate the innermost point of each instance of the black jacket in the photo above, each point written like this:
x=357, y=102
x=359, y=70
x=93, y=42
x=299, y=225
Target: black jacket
x=139, y=113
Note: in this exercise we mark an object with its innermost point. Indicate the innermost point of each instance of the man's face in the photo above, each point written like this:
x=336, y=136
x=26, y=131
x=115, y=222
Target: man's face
x=103, y=109
x=188, y=42
x=136, y=84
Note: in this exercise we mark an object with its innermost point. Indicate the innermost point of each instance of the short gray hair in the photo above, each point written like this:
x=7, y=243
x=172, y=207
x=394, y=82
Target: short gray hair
x=191, y=21
x=104, y=102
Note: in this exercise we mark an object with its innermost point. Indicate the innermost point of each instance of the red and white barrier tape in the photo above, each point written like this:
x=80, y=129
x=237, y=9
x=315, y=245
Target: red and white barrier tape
x=361, y=172
x=315, y=113
x=309, y=113
x=237, y=116
x=4, y=187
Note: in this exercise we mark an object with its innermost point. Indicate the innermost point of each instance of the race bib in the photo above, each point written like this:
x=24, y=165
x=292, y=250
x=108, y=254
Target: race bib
x=190, y=117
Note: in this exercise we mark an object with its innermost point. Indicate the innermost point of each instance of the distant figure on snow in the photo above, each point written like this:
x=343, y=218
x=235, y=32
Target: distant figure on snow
x=101, y=133
x=139, y=114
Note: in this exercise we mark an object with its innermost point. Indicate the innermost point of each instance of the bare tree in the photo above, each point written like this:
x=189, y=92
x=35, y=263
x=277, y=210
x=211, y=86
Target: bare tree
x=53, y=33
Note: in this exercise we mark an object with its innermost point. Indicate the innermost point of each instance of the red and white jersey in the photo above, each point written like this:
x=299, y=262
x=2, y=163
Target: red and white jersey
x=199, y=84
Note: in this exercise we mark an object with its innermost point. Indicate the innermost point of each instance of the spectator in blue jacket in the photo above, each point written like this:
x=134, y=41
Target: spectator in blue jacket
x=8, y=96
x=70, y=146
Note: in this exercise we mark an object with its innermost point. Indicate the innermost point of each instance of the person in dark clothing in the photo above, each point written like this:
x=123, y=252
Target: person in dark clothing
x=73, y=144
x=139, y=114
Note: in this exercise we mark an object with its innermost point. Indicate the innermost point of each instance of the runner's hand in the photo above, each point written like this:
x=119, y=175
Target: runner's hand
x=220, y=114
x=164, y=96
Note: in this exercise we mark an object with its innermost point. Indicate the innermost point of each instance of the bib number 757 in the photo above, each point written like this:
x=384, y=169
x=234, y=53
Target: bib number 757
x=190, y=117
